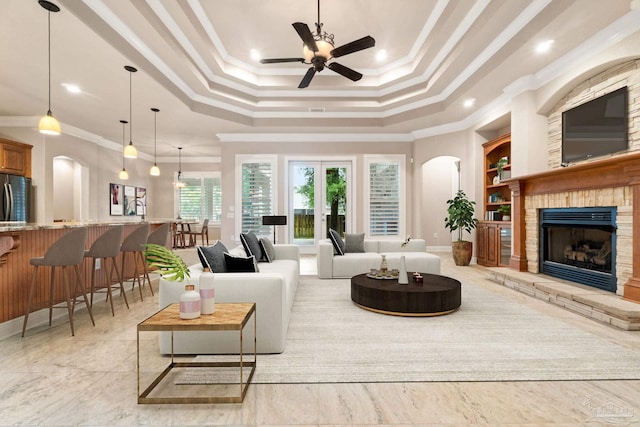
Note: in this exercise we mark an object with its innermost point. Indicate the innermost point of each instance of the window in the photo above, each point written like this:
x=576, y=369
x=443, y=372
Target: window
x=385, y=196
x=202, y=196
x=258, y=193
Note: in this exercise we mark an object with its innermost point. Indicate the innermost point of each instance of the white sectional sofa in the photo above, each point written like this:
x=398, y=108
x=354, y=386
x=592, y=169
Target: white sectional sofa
x=332, y=266
x=272, y=289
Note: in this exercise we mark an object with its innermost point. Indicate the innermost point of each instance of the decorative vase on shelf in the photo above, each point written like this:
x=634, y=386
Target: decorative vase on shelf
x=383, y=265
x=189, y=303
x=207, y=293
x=403, y=279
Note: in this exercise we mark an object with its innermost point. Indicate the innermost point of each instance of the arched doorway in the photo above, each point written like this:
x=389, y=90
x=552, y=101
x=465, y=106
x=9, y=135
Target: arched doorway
x=440, y=181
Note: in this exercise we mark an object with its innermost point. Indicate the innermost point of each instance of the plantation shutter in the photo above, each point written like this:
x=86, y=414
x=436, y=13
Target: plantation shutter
x=256, y=196
x=201, y=198
x=384, y=199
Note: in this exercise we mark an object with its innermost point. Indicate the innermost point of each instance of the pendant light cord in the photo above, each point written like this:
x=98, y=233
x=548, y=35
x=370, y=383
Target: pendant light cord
x=49, y=31
x=155, y=136
x=130, y=109
x=123, y=137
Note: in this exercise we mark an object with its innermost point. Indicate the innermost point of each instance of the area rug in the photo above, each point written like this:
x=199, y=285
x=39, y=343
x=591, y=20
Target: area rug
x=490, y=338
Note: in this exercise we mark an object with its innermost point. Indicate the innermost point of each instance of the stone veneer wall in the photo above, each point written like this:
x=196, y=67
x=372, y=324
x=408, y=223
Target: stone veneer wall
x=621, y=197
x=626, y=74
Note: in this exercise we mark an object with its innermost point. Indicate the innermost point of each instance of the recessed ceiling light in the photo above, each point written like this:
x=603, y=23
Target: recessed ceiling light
x=544, y=46
x=72, y=88
x=255, y=55
x=381, y=55
x=469, y=103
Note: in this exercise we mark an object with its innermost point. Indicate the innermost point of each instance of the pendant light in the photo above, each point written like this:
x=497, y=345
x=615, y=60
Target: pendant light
x=123, y=173
x=155, y=170
x=130, y=151
x=179, y=183
x=48, y=124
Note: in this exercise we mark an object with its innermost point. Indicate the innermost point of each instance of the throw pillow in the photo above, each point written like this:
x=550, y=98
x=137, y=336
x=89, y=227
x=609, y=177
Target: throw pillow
x=212, y=257
x=240, y=264
x=353, y=243
x=336, y=240
x=252, y=245
x=268, y=249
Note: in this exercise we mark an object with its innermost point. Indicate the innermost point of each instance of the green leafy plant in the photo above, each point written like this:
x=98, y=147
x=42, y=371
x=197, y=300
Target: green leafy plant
x=172, y=267
x=461, y=211
x=500, y=165
x=505, y=209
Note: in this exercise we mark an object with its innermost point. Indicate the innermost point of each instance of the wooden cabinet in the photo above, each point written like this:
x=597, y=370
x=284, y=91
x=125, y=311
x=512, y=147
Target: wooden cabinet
x=15, y=158
x=493, y=243
x=493, y=236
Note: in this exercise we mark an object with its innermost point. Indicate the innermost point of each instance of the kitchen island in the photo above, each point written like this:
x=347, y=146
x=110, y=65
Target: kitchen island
x=19, y=242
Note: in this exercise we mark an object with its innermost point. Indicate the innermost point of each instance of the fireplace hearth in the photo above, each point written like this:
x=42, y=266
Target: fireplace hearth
x=578, y=244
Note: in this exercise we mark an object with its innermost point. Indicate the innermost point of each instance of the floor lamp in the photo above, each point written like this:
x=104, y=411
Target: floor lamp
x=274, y=220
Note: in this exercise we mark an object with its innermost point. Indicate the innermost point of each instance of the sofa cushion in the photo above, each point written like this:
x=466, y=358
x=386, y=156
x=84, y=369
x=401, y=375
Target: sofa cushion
x=240, y=264
x=336, y=240
x=353, y=243
x=212, y=257
x=268, y=249
x=252, y=245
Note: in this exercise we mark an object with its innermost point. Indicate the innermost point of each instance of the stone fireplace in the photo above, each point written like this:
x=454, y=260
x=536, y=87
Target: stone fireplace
x=579, y=244
x=607, y=183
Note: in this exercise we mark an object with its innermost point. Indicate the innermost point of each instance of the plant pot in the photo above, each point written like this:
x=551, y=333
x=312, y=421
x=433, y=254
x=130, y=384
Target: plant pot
x=506, y=217
x=462, y=251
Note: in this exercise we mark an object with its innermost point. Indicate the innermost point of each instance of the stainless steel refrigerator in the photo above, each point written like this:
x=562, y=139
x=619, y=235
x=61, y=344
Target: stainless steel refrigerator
x=16, y=198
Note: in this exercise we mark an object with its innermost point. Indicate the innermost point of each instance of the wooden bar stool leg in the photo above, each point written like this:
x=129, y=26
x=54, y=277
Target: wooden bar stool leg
x=80, y=285
x=51, y=290
x=109, y=277
x=145, y=272
x=93, y=279
x=114, y=265
x=67, y=292
x=31, y=292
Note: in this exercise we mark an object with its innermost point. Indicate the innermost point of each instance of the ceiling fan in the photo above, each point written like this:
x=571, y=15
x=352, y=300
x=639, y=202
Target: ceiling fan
x=319, y=48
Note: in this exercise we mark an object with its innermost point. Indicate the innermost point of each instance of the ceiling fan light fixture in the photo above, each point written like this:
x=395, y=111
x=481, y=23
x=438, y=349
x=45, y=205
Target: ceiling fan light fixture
x=325, y=46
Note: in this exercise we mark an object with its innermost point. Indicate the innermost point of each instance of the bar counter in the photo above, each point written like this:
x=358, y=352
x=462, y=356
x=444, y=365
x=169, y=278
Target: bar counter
x=19, y=242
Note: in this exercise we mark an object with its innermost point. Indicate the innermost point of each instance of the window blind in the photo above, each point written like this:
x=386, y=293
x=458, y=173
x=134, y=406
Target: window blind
x=201, y=198
x=256, y=196
x=384, y=199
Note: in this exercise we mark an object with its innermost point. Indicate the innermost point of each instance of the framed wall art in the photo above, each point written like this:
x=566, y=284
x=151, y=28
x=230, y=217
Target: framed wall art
x=129, y=200
x=141, y=201
x=116, y=199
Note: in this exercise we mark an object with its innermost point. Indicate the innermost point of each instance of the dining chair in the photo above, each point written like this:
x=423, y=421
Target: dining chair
x=107, y=247
x=134, y=244
x=203, y=232
x=67, y=251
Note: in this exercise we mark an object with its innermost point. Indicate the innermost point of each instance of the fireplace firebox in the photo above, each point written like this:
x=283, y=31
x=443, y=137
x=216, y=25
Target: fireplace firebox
x=579, y=244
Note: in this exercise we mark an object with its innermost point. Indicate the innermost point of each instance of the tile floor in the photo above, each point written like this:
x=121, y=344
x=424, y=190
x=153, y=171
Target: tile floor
x=50, y=378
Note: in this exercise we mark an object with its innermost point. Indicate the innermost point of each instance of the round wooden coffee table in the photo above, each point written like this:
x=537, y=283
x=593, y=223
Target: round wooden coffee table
x=436, y=296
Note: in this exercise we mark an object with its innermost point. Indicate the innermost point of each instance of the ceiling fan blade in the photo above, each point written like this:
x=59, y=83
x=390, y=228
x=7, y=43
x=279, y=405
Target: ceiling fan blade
x=345, y=71
x=305, y=34
x=278, y=60
x=354, y=46
x=307, y=78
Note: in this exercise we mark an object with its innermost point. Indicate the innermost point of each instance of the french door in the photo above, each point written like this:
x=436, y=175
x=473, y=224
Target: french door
x=319, y=199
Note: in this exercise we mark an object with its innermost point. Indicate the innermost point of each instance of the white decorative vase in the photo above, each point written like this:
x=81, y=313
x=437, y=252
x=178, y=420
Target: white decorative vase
x=189, y=303
x=403, y=279
x=207, y=293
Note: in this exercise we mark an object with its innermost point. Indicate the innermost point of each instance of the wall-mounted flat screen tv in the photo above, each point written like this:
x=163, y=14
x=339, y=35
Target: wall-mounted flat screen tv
x=595, y=128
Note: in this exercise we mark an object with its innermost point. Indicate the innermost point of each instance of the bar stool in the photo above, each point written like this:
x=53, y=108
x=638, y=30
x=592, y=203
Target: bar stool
x=160, y=236
x=67, y=251
x=134, y=244
x=203, y=232
x=107, y=246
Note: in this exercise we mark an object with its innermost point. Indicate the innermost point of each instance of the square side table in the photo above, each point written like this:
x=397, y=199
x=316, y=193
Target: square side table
x=227, y=317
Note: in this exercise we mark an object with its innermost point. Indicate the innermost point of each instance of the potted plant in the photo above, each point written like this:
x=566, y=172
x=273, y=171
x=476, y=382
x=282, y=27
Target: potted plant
x=500, y=166
x=172, y=267
x=461, y=211
x=505, y=210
